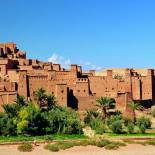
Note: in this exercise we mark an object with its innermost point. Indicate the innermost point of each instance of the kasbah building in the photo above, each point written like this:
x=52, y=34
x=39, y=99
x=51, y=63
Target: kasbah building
x=74, y=87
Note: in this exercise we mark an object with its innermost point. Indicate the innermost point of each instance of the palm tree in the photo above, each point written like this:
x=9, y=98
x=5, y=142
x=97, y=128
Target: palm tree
x=51, y=101
x=91, y=114
x=134, y=106
x=40, y=96
x=105, y=103
x=20, y=101
x=44, y=99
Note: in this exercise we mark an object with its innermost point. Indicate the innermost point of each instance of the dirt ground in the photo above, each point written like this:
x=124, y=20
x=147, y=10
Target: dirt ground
x=131, y=149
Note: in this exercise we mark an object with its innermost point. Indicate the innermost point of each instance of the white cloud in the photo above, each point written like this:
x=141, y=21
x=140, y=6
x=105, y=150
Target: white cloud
x=66, y=62
x=57, y=59
x=88, y=65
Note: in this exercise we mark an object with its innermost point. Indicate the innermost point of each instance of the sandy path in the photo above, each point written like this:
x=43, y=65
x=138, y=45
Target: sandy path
x=132, y=149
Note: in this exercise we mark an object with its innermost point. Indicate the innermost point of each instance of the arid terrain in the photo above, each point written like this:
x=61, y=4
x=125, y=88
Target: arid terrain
x=131, y=149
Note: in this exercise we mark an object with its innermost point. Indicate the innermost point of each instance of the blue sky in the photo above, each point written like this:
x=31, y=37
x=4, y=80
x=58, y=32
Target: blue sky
x=94, y=33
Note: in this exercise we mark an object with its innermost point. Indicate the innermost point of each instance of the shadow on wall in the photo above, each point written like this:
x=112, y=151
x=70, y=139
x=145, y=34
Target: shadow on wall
x=72, y=100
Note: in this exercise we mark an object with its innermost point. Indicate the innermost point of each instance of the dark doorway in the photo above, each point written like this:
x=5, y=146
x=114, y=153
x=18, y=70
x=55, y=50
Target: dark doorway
x=72, y=100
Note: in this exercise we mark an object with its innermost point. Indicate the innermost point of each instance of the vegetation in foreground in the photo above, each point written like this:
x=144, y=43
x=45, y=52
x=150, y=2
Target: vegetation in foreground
x=100, y=143
x=104, y=121
x=45, y=120
x=41, y=118
x=26, y=147
x=107, y=144
x=22, y=138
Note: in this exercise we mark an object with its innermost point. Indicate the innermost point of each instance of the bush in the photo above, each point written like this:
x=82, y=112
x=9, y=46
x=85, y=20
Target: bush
x=7, y=125
x=144, y=120
x=150, y=142
x=112, y=146
x=113, y=119
x=52, y=147
x=63, y=120
x=142, y=128
x=67, y=145
x=130, y=127
x=127, y=121
x=103, y=143
x=119, y=143
x=98, y=125
x=143, y=123
x=116, y=126
x=27, y=147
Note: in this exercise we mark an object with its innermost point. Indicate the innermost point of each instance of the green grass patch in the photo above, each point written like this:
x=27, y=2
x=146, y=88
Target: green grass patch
x=103, y=143
x=146, y=142
x=100, y=143
x=112, y=135
x=52, y=147
x=150, y=142
x=112, y=146
x=40, y=138
x=26, y=147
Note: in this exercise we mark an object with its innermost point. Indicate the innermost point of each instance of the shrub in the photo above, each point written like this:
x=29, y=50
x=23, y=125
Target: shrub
x=67, y=145
x=112, y=146
x=7, y=125
x=143, y=123
x=151, y=142
x=113, y=119
x=26, y=147
x=49, y=138
x=63, y=120
x=98, y=125
x=130, y=127
x=52, y=147
x=127, y=121
x=103, y=143
x=116, y=126
x=90, y=115
x=142, y=128
x=119, y=143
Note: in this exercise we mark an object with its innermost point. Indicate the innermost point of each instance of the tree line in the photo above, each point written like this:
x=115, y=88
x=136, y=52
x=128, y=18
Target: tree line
x=44, y=116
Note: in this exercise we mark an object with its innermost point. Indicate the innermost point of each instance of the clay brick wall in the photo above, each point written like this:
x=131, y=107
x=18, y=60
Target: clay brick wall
x=85, y=102
x=23, y=84
x=61, y=94
x=136, y=88
x=36, y=82
x=56, y=67
x=81, y=87
x=13, y=75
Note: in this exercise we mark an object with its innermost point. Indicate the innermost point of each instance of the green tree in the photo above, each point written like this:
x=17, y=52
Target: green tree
x=20, y=101
x=117, y=126
x=37, y=123
x=51, y=101
x=22, y=122
x=105, y=103
x=134, y=106
x=44, y=99
x=40, y=96
x=91, y=114
x=130, y=127
x=143, y=123
x=11, y=109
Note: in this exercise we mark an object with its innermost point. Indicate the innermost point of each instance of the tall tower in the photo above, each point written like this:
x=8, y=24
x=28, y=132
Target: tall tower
x=23, y=84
